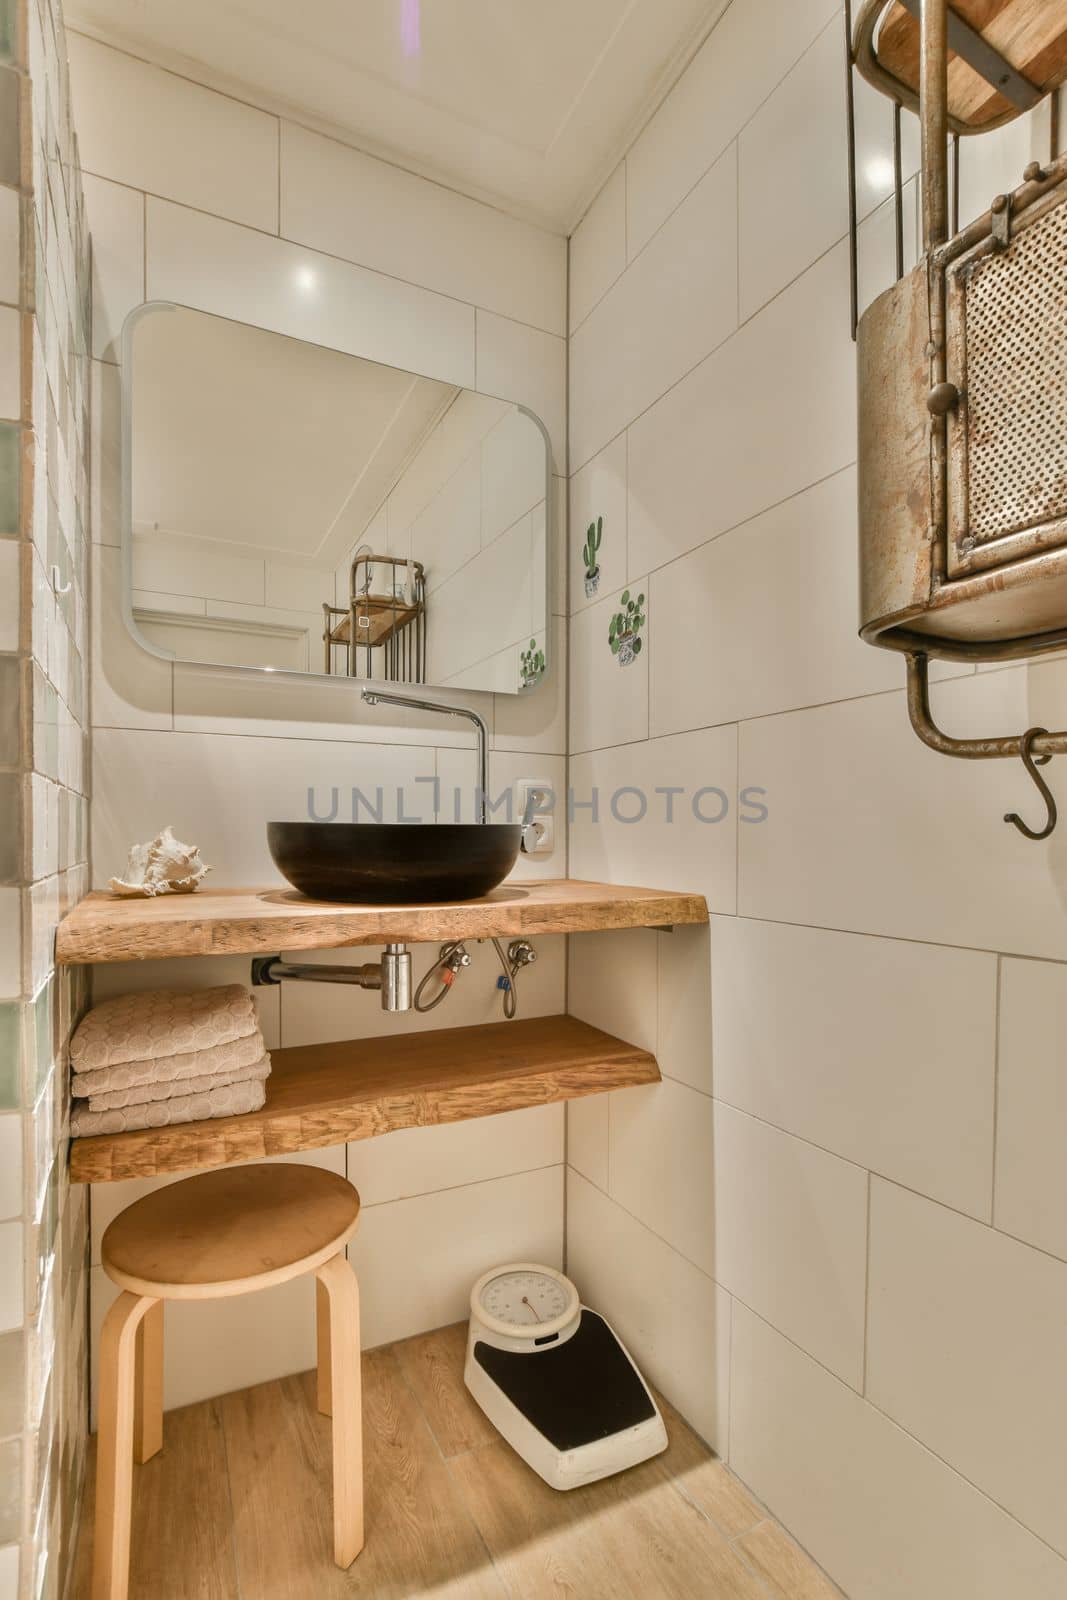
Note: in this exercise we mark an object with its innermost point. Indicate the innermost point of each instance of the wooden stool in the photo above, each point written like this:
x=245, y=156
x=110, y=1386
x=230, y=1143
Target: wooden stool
x=223, y=1233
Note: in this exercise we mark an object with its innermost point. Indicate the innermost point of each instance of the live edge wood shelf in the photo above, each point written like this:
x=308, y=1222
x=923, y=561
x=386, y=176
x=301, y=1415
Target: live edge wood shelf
x=328, y=1094
x=216, y=922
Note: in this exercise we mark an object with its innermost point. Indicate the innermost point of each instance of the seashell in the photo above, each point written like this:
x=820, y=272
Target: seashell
x=163, y=866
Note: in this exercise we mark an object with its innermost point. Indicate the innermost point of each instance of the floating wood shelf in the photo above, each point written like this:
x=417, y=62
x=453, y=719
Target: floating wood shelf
x=268, y=921
x=328, y=1094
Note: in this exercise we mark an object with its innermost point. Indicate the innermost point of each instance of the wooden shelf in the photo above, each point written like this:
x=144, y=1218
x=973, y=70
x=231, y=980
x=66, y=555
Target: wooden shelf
x=329, y=1094
x=269, y=921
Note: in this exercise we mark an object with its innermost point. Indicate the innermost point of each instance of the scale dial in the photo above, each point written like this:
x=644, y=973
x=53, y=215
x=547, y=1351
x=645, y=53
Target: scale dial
x=524, y=1301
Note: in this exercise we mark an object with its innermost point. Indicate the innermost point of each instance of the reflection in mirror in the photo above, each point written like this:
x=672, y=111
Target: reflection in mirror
x=303, y=510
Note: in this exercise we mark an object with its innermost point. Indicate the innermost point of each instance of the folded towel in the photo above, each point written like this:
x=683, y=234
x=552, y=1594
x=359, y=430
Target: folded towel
x=232, y=1100
x=133, y=1027
x=159, y=1072
x=146, y=1093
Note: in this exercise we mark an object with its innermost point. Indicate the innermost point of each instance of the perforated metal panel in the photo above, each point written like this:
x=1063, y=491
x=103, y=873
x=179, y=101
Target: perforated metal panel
x=1015, y=321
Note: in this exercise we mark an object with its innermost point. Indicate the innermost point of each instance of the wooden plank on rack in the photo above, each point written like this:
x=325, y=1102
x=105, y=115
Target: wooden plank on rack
x=327, y=1094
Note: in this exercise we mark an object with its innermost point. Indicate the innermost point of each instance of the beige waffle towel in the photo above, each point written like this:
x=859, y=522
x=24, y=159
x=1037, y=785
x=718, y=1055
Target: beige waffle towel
x=165, y=1074
x=231, y=1100
x=145, y=1093
x=136, y=1027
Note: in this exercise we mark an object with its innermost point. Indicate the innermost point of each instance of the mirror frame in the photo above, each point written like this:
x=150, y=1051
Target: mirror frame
x=126, y=388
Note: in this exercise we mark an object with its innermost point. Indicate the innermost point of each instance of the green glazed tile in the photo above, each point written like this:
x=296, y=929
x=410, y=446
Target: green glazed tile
x=9, y=126
x=42, y=1031
x=9, y=29
x=11, y=832
x=10, y=711
x=10, y=1053
x=10, y=474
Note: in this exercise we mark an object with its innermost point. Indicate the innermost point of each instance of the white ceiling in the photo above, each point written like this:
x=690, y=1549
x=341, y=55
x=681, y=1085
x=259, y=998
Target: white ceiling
x=525, y=104
x=264, y=445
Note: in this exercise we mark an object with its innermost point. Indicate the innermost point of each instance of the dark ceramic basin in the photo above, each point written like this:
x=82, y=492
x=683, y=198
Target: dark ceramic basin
x=392, y=863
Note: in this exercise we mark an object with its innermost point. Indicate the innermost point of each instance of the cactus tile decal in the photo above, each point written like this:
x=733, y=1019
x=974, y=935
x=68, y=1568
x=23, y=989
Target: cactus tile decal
x=624, y=629
x=531, y=666
x=590, y=550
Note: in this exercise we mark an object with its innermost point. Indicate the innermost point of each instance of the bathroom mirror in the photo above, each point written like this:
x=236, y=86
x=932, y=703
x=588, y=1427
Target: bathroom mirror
x=294, y=508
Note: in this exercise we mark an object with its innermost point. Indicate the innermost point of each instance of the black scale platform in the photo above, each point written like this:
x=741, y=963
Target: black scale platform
x=583, y=1390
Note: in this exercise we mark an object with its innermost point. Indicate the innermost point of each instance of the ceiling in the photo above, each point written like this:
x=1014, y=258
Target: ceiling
x=528, y=105
x=287, y=451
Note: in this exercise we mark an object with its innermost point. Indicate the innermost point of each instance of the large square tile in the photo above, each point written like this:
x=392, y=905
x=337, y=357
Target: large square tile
x=598, y=248
x=609, y=688
x=965, y=1350
x=116, y=222
x=1031, y=1181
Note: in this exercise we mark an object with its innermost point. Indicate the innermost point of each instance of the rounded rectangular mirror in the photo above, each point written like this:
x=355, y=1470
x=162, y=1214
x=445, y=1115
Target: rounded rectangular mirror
x=294, y=508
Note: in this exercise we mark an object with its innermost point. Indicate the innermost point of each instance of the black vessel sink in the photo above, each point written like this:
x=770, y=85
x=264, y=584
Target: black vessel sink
x=387, y=863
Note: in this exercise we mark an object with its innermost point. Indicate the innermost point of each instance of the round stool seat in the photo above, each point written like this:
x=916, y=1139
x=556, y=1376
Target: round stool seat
x=230, y=1232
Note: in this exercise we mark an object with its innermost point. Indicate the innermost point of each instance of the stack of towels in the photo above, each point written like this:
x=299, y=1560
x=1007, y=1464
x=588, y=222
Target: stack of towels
x=146, y=1060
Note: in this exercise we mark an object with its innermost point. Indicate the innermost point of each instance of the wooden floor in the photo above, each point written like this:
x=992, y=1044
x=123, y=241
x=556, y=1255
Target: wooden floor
x=238, y=1506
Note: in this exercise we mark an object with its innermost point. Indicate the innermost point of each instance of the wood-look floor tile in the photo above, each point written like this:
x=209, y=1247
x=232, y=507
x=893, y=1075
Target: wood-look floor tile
x=786, y=1570
x=182, y=1541
x=631, y=1535
x=419, y=1535
x=702, y=1476
x=432, y=1365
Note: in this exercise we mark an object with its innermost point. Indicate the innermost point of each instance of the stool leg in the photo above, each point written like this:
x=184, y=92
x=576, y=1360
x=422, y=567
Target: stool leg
x=114, y=1446
x=148, y=1387
x=323, y=1397
x=340, y=1284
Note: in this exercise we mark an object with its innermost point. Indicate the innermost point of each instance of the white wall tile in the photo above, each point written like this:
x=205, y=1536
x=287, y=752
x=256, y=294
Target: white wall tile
x=588, y=1137
x=524, y=365
x=786, y=220
x=885, y=1517
x=673, y=1319
x=875, y=1048
x=662, y=1166
x=10, y=943
x=417, y=1260
x=608, y=696
x=965, y=1349
x=221, y=798
x=419, y=1161
x=697, y=856
x=746, y=55
x=1031, y=1181
x=153, y=130
x=215, y=266
x=727, y=637
x=11, y=1274
x=598, y=247
x=718, y=449
x=612, y=983
x=683, y=1046
x=674, y=304
x=349, y=204
x=790, y=1237
x=116, y=221
x=598, y=493
x=10, y=1164
x=9, y=1572
x=842, y=778
x=105, y=454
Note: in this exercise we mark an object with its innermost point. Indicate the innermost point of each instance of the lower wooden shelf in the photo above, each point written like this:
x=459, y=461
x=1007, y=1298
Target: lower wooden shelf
x=326, y=1094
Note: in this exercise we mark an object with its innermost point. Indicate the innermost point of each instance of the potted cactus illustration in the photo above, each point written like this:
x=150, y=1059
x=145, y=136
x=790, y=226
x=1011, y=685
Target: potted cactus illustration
x=531, y=666
x=589, y=556
x=624, y=629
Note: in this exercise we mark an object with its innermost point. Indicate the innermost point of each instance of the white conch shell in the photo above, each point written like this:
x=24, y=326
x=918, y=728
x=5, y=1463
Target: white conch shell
x=163, y=866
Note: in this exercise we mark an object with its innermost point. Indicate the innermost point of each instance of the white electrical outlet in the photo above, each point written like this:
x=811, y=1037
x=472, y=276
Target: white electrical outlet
x=533, y=798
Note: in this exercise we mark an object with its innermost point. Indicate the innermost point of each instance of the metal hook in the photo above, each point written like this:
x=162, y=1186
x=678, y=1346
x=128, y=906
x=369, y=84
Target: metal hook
x=1031, y=763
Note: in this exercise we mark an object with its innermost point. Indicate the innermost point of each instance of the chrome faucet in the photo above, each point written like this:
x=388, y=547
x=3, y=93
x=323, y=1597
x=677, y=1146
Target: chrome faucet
x=384, y=697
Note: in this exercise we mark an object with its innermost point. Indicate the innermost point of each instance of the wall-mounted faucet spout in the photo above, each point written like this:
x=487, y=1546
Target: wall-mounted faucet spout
x=383, y=697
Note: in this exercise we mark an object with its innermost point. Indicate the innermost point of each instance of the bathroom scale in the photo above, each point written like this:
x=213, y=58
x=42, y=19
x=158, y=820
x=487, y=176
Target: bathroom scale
x=555, y=1380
